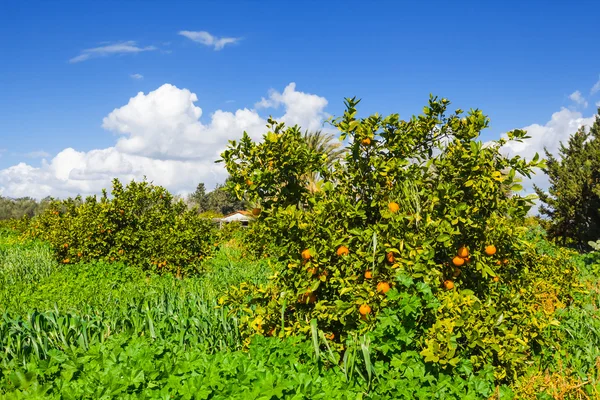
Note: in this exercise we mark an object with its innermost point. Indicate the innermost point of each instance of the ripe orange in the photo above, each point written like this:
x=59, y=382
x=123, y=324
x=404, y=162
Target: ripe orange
x=394, y=207
x=65, y=245
x=456, y=272
x=342, y=251
x=364, y=309
x=498, y=262
x=365, y=141
x=505, y=261
x=496, y=279
x=458, y=261
x=490, y=250
x=330, y=336
x=256, y=212
x=448, y=284
x=78, y=254
x=463, y=252
x=306, y=254
x=66, y=261
x=249, y=182
x=383, y=287
x=368, y=275
x=390, y=257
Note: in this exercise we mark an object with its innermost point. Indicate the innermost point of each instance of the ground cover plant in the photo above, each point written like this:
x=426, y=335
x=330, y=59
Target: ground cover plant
x=404, y=267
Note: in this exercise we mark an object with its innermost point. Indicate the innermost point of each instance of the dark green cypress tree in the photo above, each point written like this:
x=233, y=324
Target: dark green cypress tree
x=572, y=202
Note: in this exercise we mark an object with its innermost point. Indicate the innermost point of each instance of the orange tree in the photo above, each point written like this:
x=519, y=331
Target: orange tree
x=421, y=201
x=141, y=225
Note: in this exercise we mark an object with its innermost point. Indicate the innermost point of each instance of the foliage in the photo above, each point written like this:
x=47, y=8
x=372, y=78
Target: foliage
x=140, y=225
x=406, y=197
x=217, y=202
x=18, y=208
x=573, y=199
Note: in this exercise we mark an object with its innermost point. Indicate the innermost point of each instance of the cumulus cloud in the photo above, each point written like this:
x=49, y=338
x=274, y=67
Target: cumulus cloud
x=159, y=135
x=207, y=39
x=578, y=98
x=137, y=76
x=128, y=47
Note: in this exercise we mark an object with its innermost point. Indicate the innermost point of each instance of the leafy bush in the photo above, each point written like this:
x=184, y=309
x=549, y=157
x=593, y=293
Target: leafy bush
x=140, y=225
x=420, y=206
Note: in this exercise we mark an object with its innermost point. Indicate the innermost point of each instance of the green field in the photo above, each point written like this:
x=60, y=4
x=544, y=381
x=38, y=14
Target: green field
x=106, y=330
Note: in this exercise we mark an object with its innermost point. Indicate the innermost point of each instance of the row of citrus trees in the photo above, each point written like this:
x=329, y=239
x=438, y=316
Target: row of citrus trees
x=139, y=224
x=419, y=227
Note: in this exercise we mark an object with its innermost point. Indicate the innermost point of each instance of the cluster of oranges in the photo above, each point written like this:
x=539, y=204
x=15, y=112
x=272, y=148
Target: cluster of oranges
x=462, y=258
x=382, y=287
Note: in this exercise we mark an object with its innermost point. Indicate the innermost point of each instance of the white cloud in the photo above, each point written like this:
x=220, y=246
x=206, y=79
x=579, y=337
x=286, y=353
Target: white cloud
x=560, y=127
x=578, y=98
x=596, y=88
x=598, y=104
x=37, y=154
x=137, y=76
x=300, y=107
x=207, y=39
x=159, y=135
x=128, y=47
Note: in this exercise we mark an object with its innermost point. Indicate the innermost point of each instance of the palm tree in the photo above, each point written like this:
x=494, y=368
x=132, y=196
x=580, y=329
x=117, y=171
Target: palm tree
x=323, y=143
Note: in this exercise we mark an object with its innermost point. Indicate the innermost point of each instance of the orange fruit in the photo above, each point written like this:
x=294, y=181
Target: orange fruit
x=498, y=262
x=383, y=287
x=249, y=182
x=368, y=275
x=365, y=141
x=448, y=284
x=330, y=336
x=312, y=271
x=364, y=309
x=393, y=207
x=496, y=279
x=255, y=211
x=468, y=260
x=490, y=250
x=505, y=261
x=78, y=254
x=65, y=245
x=122, y=212
x=121, y=252
x=456, y=272
x=390, y=257
x=463, y=252
x=306, y=254
x=66, y=261
x=458, y=261
x=342, y=251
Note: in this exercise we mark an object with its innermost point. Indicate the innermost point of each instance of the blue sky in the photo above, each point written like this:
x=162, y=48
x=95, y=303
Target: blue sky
x=518, y=61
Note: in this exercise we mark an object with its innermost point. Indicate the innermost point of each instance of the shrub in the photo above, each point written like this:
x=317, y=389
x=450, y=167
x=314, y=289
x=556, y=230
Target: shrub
x=140, y=224
x=414, y=194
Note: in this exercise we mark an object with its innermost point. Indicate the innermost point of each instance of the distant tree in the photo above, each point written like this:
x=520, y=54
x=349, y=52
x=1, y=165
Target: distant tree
x=199, y=197
x=218, y=201
x=572, y=202
x=18, y=208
